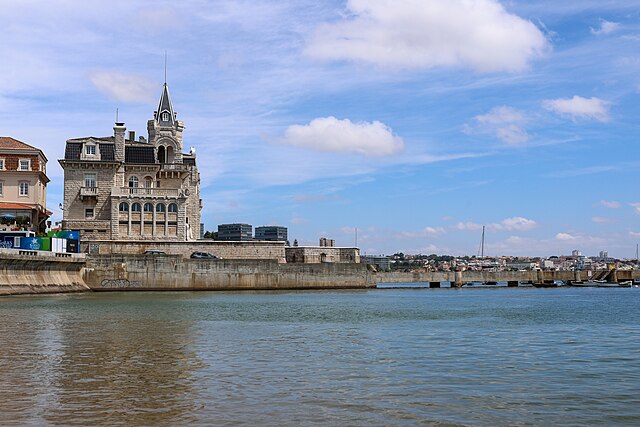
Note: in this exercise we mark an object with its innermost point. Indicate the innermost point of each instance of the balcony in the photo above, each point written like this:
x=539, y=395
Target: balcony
x=147, y=192
x=88, y=192
x=177, y=167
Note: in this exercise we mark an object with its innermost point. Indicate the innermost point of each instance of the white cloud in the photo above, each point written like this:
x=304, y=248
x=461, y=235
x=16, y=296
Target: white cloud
x=420, y=34
x=635, y=206
x=517, y=223
x=468, y=226
x=579, y=108
x=601, y=220
x=426, y=232
x=565, y=237
x=331, y=134
x=504, y=122
x=634, y=234
x=124, y=87
x=610, y=204
x=606, y=27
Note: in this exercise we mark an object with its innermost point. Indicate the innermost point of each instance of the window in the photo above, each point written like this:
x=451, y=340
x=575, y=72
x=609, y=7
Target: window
x=25, y=165
x=148, y=207
x=148, y=182
x=165, y=116
x=90, y=150
x=173, y=207
x=133, y=182
x=1, y=164
x=135, y=207
x=90, y=180
x=124, y=207
x=88, y=213
x=160, y=207
x=24, y=188
x=1, y=188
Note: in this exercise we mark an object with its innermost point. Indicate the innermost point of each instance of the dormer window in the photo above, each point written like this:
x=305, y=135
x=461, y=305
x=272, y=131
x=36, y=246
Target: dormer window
x=165, y=116
x=90, y=150
x=25, y=165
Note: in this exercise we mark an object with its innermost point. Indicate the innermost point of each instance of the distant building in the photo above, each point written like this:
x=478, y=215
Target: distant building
x=273, y=233
x=23, y=186
x=235, y=232
x=202, y=230
x=604, y=254
x=576, y=253
x=380, y=261
x=328, y=243
x=322, y=254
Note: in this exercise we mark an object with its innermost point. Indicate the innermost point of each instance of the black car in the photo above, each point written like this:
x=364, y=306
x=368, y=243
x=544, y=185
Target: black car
x=154, y=252
x=203, y=255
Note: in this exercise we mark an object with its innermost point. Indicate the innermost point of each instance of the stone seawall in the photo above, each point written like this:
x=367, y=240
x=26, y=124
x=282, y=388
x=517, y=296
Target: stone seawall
x=227, y=250
x=28, y=272
x=173, y=272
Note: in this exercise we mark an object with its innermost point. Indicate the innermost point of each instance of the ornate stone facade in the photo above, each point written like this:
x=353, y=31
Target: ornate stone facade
x=120, y=188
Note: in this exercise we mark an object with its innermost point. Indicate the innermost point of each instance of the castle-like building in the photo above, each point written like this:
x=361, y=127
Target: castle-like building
x=120, y=188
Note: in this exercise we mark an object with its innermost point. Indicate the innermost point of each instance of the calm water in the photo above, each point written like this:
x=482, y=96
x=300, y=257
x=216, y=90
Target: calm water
x=385, y=357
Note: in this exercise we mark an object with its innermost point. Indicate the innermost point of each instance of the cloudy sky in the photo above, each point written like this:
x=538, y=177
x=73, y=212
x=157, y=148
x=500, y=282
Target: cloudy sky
x=414, y=121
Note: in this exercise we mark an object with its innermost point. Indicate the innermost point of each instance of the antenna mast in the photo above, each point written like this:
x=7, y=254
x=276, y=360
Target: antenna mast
x=482, y=244
x=165, y=67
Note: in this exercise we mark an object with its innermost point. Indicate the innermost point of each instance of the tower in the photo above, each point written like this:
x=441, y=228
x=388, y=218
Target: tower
x=165, y=130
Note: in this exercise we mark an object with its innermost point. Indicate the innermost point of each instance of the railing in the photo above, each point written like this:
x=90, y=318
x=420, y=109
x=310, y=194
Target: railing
x=144, y=191
x=88, y=191
x=173, y=167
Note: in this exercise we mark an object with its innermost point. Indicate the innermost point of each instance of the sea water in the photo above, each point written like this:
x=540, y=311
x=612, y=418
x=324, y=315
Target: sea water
x=398, y=357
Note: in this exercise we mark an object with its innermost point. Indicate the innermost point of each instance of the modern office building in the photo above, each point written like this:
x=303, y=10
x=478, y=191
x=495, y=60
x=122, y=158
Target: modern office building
x=273, y=233
x=120, y=188
x=382, y=262
x=23, y=186
x=235, y=232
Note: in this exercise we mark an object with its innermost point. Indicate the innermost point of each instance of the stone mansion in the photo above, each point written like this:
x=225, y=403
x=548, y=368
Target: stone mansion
x=120, y=188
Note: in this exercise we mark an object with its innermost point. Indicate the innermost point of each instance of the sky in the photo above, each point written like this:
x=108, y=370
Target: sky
x=415, y=122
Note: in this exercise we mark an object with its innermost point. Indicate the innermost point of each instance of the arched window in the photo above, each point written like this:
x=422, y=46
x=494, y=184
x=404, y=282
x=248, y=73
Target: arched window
x=148, y=182
x=160, y=207
x=173, y=207
x=135, y=207
x=165, y=116
x=148, y=207
x=133, y=182
x=124, y=207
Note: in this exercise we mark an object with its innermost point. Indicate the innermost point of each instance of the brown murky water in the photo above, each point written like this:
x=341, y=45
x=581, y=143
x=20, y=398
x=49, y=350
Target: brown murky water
x=397, y=357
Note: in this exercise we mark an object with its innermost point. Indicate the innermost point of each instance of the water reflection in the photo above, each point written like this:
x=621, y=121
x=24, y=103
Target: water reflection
x=119, y=364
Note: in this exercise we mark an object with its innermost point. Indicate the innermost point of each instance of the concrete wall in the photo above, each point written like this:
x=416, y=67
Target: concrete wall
x=32, y=273
x=226, y=250
x=171, y=272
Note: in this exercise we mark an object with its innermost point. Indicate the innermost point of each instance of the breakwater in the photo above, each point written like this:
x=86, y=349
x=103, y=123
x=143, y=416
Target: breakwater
x=32, y=272
x=173, y=272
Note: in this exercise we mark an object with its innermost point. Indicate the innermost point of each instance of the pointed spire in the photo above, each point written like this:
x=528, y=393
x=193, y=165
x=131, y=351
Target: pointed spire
x=165, y=115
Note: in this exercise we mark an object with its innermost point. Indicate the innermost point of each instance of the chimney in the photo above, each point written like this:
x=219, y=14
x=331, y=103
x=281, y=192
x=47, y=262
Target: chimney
x=132, y=135
x=118, y=133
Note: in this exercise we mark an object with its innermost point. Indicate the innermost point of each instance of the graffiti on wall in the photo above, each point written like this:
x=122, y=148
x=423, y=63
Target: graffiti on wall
x=120, y=284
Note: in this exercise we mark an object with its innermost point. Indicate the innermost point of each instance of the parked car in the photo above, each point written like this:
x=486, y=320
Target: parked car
x=154, y=252
x=203, y=255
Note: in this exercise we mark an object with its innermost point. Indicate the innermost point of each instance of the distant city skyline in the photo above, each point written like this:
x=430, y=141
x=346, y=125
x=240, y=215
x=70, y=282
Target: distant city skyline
x=416, y=122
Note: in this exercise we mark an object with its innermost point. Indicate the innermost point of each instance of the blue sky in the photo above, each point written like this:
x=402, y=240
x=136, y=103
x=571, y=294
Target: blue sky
x=416, y=121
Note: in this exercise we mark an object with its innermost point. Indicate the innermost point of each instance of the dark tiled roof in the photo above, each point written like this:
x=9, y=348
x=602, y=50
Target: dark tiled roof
x=72, y=151
x=106, y=152
x=139, y=155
